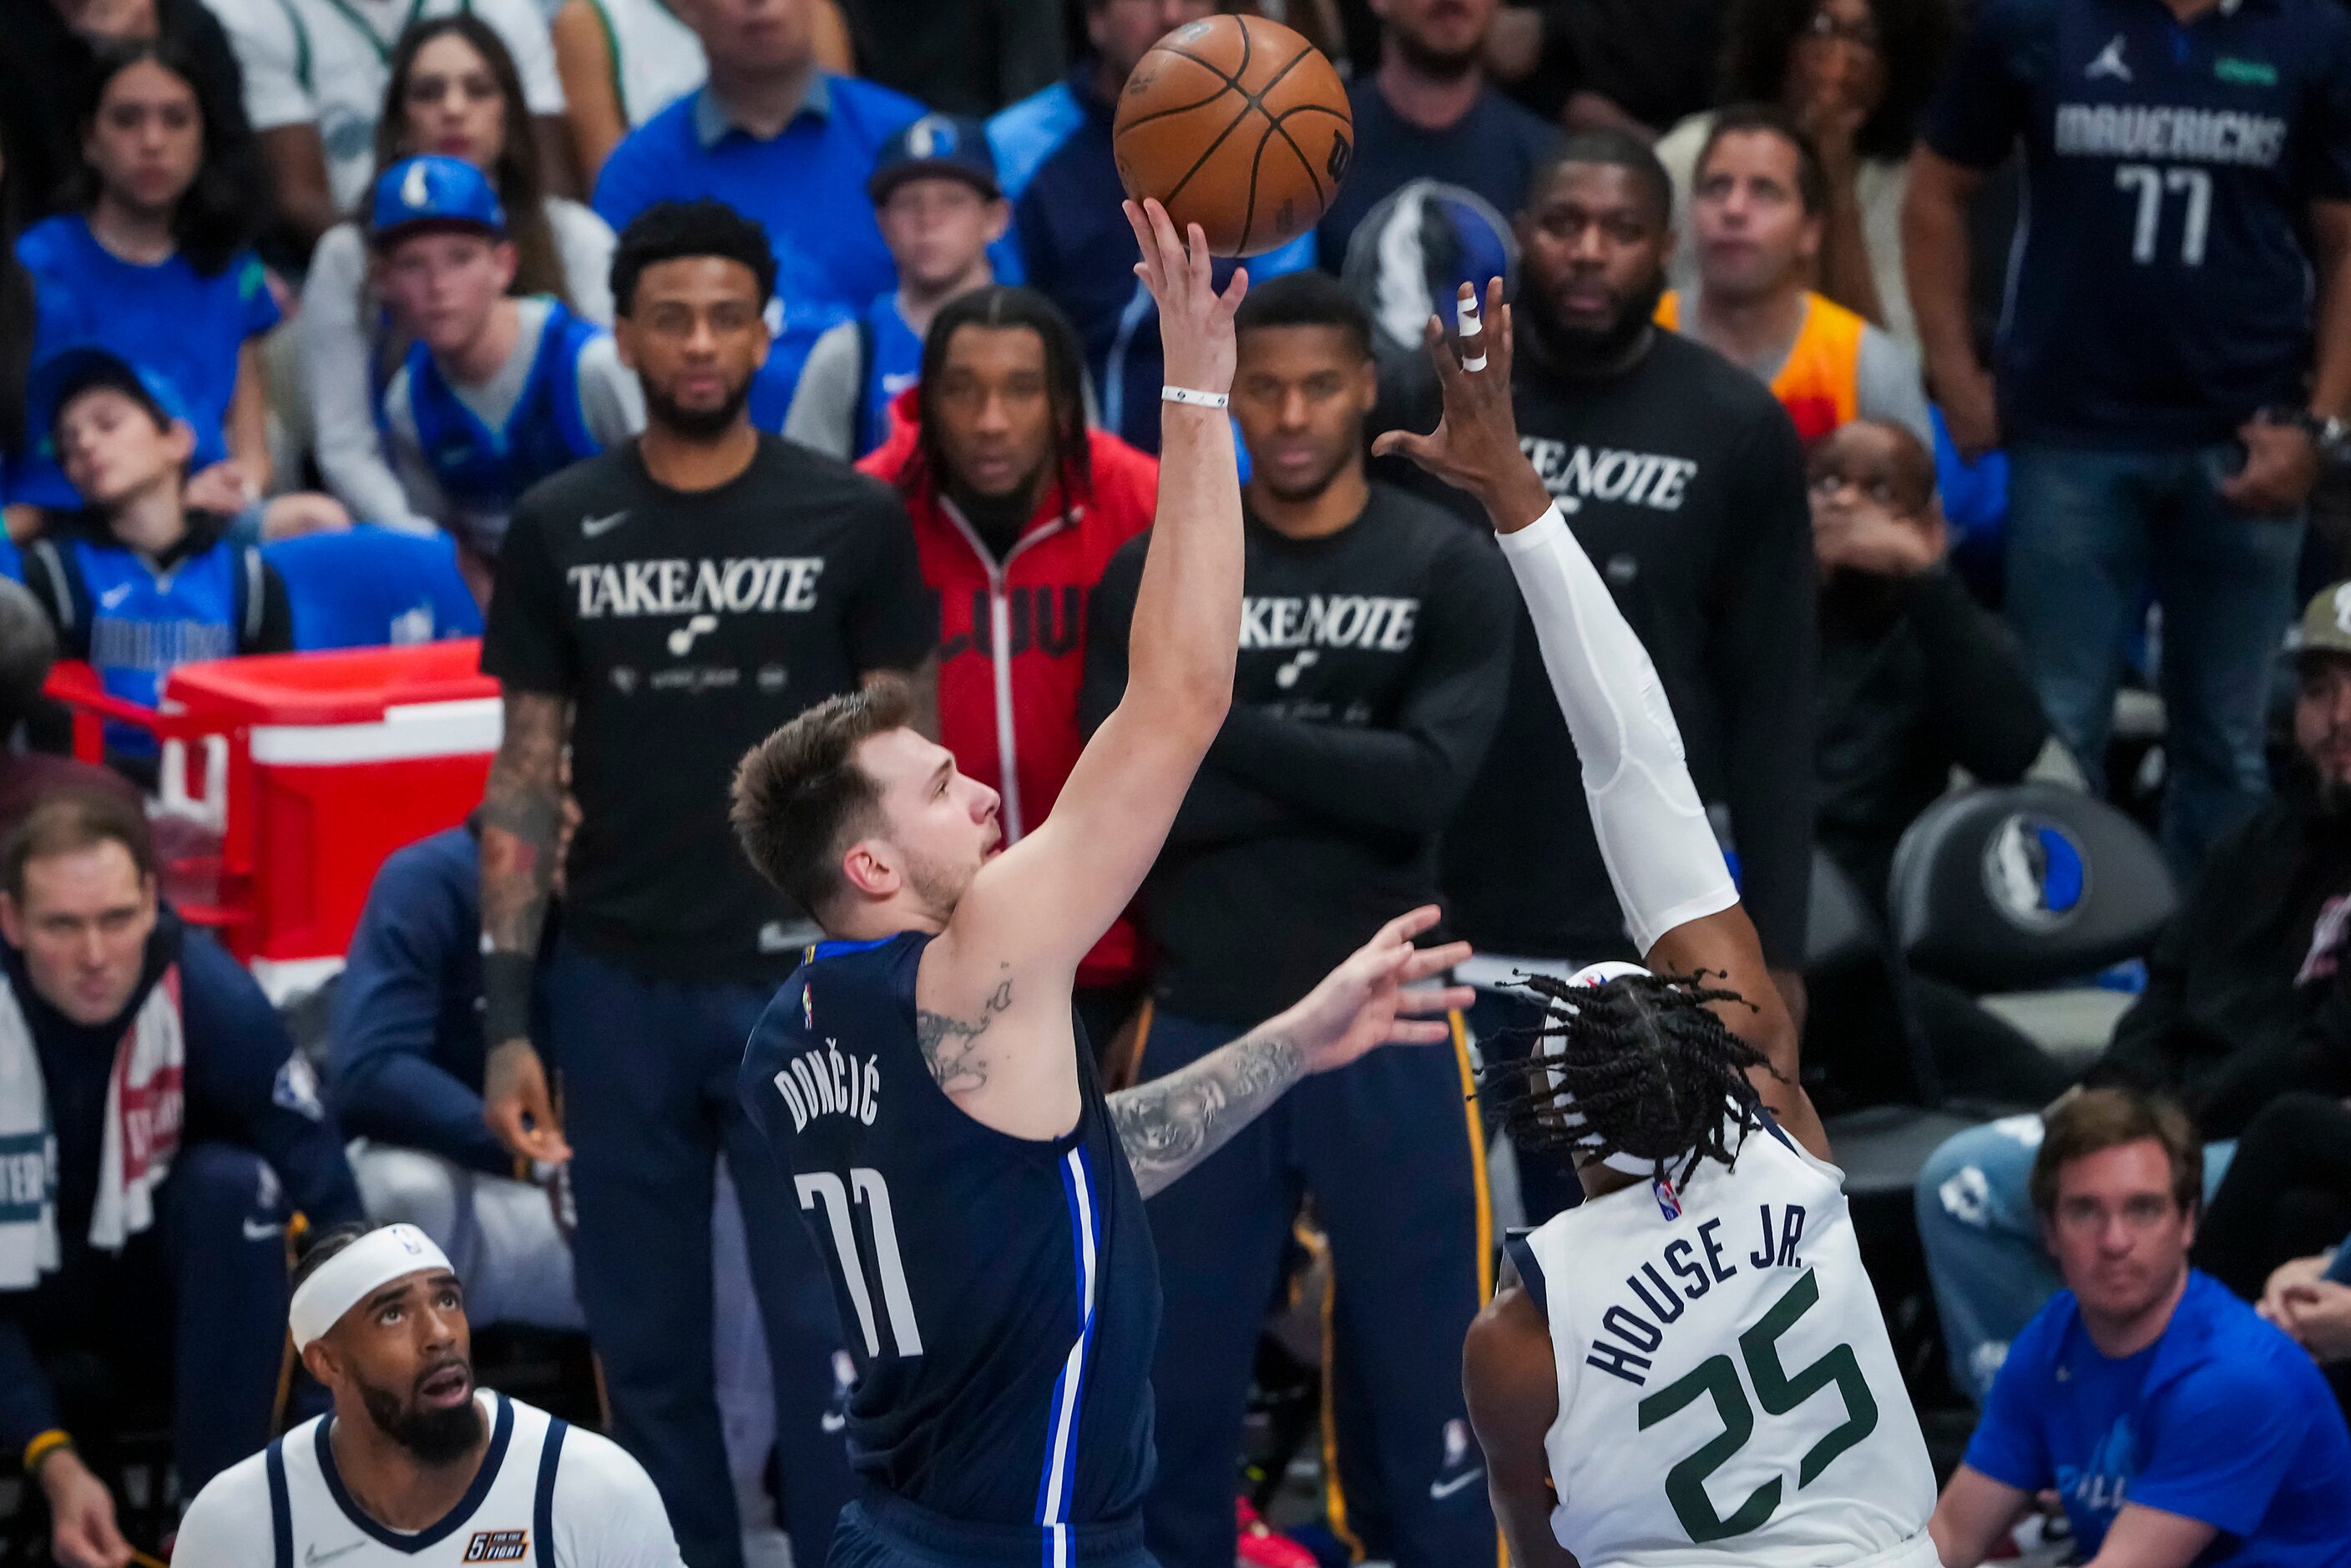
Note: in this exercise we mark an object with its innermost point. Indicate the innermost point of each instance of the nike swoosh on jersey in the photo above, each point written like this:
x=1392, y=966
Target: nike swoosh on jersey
x=263, y=1230
x=1440, y=1491
x=313, y=1557
x=597, y=527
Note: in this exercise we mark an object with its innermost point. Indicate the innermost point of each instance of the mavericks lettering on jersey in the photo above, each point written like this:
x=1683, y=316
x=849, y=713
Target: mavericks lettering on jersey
x=1695, y=1264
x=2143, y=131
x=736, y=586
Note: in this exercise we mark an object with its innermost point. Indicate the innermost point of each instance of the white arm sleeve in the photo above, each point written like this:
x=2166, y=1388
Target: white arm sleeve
x=1654, y=837
x=606, y=1511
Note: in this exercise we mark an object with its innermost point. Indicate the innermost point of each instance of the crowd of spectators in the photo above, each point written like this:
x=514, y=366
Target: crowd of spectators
x=726, y=355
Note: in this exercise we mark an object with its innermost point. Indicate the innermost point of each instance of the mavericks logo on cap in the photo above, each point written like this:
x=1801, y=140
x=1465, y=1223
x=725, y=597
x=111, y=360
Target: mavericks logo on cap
x=2035, y=872
x=933, y=136
x=416, y=190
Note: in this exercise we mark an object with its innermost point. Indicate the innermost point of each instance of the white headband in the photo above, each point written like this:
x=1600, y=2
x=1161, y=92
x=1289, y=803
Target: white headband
x=357, y=1272
x=1569, y=1116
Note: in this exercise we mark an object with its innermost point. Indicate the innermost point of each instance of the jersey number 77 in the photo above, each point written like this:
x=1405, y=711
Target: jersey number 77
x=1778, y=1393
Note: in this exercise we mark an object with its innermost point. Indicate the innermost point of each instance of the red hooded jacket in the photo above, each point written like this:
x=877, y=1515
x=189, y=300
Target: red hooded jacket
x=1012, y=635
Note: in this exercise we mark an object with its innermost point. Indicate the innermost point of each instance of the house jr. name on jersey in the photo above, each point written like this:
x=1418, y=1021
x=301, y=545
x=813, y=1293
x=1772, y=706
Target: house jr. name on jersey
x=740, y=585
x=1575, y=474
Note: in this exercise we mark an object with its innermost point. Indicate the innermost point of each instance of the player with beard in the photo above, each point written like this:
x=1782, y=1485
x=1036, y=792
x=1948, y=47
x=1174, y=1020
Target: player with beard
x=658, y=608
x=1371, y=676
x=415, y=1467
x=1682, y=478
x=1429, y=113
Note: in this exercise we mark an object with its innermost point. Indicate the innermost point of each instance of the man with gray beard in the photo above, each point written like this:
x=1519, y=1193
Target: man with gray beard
x=1681, y=477
x=2241, y=1006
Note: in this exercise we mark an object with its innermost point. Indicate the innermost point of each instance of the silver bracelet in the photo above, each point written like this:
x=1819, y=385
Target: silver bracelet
x=1187, y=396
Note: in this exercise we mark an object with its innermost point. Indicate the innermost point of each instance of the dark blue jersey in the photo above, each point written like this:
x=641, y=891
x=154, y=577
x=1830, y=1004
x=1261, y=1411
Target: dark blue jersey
x=1000, y=1295
x=2161, y=291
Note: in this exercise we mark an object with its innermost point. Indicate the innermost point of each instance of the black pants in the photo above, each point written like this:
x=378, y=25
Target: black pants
x=2287, y=1193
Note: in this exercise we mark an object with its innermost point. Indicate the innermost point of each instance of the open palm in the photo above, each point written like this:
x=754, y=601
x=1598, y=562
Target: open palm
x=1376, y=997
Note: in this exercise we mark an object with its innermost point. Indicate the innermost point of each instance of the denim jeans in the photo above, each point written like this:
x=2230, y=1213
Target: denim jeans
x=2089, y=533
x=1982, y=1237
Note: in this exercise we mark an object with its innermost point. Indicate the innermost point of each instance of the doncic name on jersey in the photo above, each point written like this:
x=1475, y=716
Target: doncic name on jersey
x=826, y=1080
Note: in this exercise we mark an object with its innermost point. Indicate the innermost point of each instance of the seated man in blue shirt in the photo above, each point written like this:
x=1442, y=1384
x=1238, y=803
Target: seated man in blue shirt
x=157, y=1131
x=1072, y=243
x=2176, y=1426
x=497, y=392
x=137, y=582
x=789, y=146
x=404, y=1070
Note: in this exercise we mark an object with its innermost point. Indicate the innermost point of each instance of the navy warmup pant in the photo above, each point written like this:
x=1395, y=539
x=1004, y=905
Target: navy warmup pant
x=649, y=1105
x=881, y=1531
x=197, y=1301
x=1393, y=1154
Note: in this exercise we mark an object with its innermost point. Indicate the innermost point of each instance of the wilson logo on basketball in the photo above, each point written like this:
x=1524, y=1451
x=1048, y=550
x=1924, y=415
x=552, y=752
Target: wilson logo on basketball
x=497, y=1546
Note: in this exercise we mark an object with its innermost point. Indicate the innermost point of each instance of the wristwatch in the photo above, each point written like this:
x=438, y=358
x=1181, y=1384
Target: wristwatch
x=2330, y=434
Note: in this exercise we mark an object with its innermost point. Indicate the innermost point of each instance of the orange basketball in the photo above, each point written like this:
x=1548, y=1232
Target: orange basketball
x=1238, y=125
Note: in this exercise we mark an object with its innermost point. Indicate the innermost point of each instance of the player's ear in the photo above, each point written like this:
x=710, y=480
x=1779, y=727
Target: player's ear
x=870, y=869
x=318, y=1361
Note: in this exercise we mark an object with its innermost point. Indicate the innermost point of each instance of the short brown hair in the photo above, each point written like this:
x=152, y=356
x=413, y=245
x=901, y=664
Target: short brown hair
x=800, y=796
x=2096, y=1120
x=69, y=822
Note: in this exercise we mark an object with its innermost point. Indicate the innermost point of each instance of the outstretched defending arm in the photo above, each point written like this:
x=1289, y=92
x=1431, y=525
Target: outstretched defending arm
x=1668, y=873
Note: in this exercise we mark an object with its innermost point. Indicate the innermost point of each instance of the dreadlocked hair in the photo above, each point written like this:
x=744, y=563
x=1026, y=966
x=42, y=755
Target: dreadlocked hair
x=1643, y=1062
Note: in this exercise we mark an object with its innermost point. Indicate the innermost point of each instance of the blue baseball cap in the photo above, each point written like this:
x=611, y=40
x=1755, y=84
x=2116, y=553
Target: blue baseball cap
x=64, y=376
x=936, y=145
x=440, y=192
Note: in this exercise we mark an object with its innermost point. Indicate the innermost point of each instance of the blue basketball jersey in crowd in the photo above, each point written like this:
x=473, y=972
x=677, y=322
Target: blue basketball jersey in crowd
x=1000, y=1295
x=2160, y=288
x=136, y=624
x=891, y=359
x=487, y=470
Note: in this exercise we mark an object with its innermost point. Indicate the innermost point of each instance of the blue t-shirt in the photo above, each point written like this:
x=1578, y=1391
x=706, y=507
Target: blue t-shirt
x=806, y=185
x=1492, y=150
x=2162, y=292
x=1053, y=155
x=2223, y=1419
x=169, y=318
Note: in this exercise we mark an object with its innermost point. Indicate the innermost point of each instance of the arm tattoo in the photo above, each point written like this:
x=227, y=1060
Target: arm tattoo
x=951, y=1045
x=521, y=823
x=1172, y=1124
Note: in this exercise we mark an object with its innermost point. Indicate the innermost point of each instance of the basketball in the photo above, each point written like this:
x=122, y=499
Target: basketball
x=1238, y=125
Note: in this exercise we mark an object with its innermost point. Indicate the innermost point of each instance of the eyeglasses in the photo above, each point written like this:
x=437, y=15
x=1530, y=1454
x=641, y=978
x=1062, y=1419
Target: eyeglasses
x=1824, y=29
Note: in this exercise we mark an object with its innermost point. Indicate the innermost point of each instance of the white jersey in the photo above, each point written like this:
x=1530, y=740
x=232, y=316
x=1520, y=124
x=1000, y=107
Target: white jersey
x=548, y=1496
x=656, y=58
x=1727, y=1392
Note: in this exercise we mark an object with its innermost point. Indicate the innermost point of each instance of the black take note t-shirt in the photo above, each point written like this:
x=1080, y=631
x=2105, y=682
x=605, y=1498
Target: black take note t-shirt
x=1371, y=676
x=687, y=627
x=1684, y=481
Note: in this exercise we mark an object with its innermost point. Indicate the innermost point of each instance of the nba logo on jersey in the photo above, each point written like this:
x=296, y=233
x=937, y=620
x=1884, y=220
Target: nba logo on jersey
x=808, y=1008
x=497, y=1546
x=1668, y=1203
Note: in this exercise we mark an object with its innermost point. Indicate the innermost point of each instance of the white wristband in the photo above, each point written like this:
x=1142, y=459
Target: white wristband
x=1187, y=396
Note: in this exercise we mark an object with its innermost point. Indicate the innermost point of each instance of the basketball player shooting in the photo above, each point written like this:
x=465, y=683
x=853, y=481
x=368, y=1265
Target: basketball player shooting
x=921, y=1077
x=1690, y=1366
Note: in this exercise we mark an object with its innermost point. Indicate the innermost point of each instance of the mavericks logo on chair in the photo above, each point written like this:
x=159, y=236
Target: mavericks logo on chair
x=2035, y=872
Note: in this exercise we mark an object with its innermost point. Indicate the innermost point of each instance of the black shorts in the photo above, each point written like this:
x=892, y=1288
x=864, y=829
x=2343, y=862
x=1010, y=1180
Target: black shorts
x=882, y=1532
